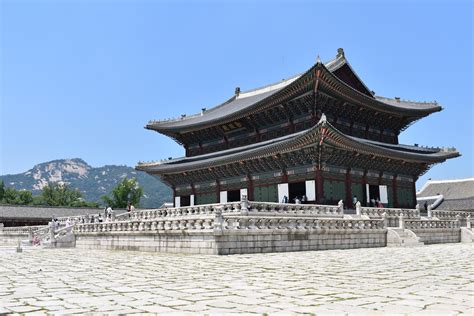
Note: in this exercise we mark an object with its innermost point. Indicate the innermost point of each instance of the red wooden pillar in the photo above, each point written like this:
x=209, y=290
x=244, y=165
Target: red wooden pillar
x=414, y=192
x=174, y=195
x=218, y=191
x=348, y=187
x=250, y=196
x=319, y=186
x=395, y=191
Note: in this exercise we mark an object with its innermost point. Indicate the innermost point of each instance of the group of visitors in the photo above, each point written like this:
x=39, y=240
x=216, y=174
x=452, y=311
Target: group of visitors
x=297, y=200
x=372, y=203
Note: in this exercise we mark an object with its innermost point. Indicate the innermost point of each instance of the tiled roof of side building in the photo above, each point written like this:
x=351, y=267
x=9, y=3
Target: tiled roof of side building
x=44, y=212
x=466, y=204
x=450, y=189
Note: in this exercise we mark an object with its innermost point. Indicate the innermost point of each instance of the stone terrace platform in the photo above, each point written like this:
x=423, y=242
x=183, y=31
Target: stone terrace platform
x=430, y=280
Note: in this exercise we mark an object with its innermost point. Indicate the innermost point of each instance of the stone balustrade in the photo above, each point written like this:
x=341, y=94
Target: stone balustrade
x=430, y=224
x=376, y=212
x=228, y=221
x=232, y=222
x=296, y=209
x=204, y=222
x=20, y=229
x=244, y=207
x=450, y=215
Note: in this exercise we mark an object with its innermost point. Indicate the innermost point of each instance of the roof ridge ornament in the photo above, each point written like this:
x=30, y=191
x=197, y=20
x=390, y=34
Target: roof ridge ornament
x=323, y=119
x=340, y=53
x=318, y=60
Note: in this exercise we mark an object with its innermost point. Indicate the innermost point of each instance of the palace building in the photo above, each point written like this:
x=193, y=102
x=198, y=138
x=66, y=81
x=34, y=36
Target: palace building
x=323, y=134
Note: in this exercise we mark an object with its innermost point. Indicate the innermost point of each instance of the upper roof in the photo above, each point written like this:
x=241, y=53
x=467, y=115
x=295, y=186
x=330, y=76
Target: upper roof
x=299, y=140
x=241, y=103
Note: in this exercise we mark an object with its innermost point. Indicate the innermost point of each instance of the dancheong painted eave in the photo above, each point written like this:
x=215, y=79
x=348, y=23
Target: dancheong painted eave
x=323, y=132
x=248, y=102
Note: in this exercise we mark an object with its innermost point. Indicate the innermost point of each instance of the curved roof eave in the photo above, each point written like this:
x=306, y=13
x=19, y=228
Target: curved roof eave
x=415, y=109
x=238, y=106
x=287, y=144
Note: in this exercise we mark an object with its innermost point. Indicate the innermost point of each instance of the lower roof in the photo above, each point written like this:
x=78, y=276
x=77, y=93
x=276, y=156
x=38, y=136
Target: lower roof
x=321, y=132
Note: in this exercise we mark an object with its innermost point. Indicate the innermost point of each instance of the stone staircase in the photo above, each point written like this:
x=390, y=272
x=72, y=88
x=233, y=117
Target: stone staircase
x=399, y=237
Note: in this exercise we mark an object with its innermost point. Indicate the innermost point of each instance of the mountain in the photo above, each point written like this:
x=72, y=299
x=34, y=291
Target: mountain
x=92, y=182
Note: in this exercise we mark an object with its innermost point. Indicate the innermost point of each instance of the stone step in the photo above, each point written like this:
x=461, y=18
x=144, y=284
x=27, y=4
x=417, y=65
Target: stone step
x=397, y=237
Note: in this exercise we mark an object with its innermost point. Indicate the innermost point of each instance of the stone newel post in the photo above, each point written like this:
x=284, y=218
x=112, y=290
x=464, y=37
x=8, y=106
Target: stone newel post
x=384, y=219
x=30, y=235
x=358, y=208
x=430, y=213
x=219, y=220
x=51, y=231
x=468, y=221
x=340, y=206
x=401, y=222
x=244, y=205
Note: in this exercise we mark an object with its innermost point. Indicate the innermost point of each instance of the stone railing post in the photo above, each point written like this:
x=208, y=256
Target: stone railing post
x=30, y=235
x=1, y=226
x=219, y=220
x=340, y=206
x=244, y=205
x=430, y=212
x=458, y=220
x=384, y=220
x=51, y=232
x=358, y=208
x=401, y=222
x=468, y=221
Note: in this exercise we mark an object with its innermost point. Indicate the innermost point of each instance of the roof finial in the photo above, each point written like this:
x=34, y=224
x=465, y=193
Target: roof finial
x=318, y=60
x=237, y=91
x=322, y=119
x=340, y=52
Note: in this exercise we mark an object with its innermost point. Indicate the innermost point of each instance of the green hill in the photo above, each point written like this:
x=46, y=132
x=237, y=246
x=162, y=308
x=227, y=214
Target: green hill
x=92, y=182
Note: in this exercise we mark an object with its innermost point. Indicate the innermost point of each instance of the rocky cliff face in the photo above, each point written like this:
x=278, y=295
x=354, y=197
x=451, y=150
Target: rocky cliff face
x=92, y=182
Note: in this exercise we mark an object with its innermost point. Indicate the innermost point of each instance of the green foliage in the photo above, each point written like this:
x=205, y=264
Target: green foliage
x=25, y=197
x=128, y=190
x=56, y=194
x=12, y=196
x=2, y=189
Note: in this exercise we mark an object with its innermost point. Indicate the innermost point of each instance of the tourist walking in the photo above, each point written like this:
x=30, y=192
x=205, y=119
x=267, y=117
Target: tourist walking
x=354, y=200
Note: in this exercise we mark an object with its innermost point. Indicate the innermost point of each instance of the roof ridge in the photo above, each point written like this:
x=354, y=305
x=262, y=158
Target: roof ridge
x=405, y=100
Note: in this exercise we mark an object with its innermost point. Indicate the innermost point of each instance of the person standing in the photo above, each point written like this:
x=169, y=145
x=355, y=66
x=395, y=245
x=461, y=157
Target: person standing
x=354, y=201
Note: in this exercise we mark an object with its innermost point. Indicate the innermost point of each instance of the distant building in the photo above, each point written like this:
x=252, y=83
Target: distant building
x=19, y=215
x=449, y=195
x=323, y=134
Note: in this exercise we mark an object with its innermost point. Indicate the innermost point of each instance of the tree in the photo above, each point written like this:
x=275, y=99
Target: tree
x=128, y=190
x=2, y=189
x=25, y=197
x=57, y=194
x=10, y=196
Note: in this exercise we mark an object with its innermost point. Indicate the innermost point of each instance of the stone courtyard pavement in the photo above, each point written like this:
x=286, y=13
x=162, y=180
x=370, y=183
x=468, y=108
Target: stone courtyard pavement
x=427, y=280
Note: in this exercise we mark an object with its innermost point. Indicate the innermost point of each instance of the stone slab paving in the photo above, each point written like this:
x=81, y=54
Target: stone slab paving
x=428, y=280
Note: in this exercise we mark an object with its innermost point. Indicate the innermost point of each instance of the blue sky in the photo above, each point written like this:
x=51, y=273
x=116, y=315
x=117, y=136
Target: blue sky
x=82, y=78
